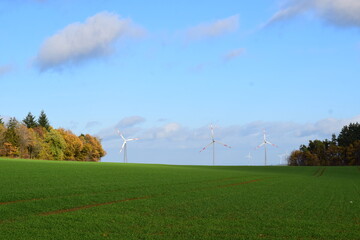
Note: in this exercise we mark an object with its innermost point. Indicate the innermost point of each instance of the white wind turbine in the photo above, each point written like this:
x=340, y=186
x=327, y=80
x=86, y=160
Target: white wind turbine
x=264, y=143
x=213, y=141
x=124, y=146
x=249, y=157
x=283, y=156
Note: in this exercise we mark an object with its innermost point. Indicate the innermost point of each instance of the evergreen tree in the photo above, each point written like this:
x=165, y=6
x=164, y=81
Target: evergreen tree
x=30, y=121
x=43, y=121
x=349, y=134
x=10, y=134
x=1, y=121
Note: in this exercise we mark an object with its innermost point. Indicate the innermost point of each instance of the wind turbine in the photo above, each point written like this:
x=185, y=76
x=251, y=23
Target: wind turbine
x=124, y=146
x=213, y=141
x=249, y=157
x=264, y=143
x=283, y=156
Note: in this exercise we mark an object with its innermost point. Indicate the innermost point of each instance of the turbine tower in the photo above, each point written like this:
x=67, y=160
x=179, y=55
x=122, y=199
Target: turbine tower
x=249, y=157
x=124, y=146
x=213, y=141
x=264, y=143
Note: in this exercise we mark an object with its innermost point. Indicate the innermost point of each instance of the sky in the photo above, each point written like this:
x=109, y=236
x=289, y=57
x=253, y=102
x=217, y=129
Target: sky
x=164, y=71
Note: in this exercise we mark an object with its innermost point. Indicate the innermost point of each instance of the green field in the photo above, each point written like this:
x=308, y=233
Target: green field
x=75, y=200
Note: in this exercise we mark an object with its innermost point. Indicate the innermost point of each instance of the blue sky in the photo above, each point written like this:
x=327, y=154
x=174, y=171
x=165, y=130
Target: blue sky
x=164, y=71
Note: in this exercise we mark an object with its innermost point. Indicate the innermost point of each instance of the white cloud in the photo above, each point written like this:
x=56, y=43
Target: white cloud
x=213, y=29
x=343, y=13
x=4, y=69
x=234, y=54
x=78, y=42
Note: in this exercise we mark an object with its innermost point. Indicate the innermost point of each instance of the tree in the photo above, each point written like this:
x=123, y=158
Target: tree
x=11, y=138
x=53, y=146
x=43, y=121
x=1, y=121
x=349, y=134
x=10, y=134
x=30, y=121
x=353, y=153
x=74, y=145
x=92, y=149
x=2, y=139
x=27, y=141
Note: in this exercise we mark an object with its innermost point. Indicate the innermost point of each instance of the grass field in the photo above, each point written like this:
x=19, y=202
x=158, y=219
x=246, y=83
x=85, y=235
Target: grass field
x=73, y=200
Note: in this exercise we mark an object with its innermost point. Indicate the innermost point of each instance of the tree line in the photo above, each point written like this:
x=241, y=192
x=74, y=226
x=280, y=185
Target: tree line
x=343, y=150
x=36, y=139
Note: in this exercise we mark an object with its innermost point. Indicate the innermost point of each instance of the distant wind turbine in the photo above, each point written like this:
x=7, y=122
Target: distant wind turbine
x=213, y=141
x=264, y=143
x=249, y=157
x=124, y=146
x=281, y=156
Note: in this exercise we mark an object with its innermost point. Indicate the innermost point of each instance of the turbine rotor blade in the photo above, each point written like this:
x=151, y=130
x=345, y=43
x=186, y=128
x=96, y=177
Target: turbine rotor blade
x=274, y=145
x=122, y=147
x=261, y=145
x=206, y=146
x=132, y=139
x=225, y=145
x=212, y=131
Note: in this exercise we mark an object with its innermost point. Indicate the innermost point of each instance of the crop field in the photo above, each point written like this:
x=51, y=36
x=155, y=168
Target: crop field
x=75, y=200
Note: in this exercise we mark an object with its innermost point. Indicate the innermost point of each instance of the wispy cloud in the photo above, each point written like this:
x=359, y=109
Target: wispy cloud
x=342, y=13
x=128, y=122
x=213, y=29
x=4, y=69
x=234, y=54
x=92, y=124
x=79, y=42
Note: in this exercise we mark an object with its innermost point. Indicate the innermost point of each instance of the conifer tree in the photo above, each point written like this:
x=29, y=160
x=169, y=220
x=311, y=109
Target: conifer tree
x=10, y=134
x=30, y=121
x=1, y=121
x=43, y=121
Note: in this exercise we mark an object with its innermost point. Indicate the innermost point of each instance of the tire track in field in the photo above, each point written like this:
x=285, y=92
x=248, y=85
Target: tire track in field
x=316, y=172
x=109, y=191
x=322, y=172
x=90, y=206
x=319, y=172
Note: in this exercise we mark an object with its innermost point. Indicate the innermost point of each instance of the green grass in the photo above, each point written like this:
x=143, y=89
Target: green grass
x=75, y=200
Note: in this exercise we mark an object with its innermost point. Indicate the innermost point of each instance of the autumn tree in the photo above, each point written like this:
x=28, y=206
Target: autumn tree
x=2, y=139
x=353, y=153
x=30, y=121
x=28, y=142
x=74, y=145
x=53, y=146
x=92, y=149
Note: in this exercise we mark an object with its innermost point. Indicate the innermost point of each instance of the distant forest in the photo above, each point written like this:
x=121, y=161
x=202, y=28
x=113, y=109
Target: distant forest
x=343, y=150
x=36, y=139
